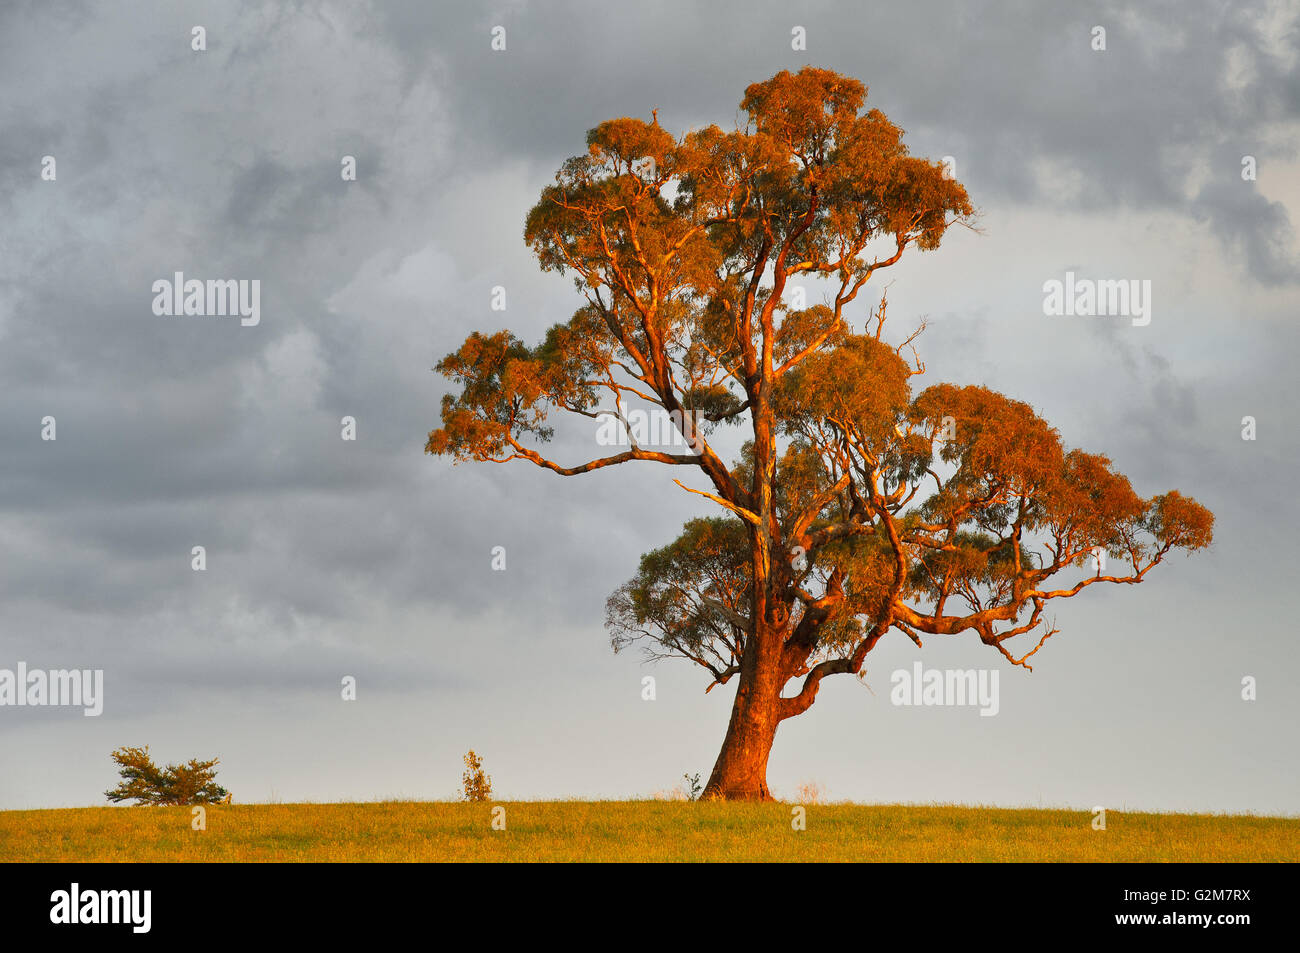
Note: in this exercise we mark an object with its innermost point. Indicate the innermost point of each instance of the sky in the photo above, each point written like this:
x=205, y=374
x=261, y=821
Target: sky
x=328, y=558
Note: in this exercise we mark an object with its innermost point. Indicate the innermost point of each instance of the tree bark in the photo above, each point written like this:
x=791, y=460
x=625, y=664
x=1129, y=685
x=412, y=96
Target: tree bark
x=740, y=773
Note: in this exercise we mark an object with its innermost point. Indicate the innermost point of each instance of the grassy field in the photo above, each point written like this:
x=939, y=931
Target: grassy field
x=635, y=831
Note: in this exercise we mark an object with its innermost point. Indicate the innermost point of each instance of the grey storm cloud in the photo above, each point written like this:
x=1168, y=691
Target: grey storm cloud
x=328, y=557
x=1252, y=226
x=1175, y=85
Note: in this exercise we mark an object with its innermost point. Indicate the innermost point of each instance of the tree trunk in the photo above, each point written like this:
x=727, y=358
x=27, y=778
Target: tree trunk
x=740, y=773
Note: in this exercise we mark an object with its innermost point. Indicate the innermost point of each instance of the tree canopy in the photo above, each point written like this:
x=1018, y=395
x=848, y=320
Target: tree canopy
x=856, y=505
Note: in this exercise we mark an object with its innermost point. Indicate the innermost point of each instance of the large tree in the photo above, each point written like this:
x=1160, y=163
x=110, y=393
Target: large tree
x=854, y=507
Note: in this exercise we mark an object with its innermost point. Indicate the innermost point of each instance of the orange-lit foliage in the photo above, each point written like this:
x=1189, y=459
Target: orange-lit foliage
x=475, y=783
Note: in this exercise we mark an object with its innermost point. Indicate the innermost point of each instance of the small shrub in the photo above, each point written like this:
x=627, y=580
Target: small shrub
x=191, y=783
x=693, y=787
x=477, y=786
x=688, y=789
x=810, y=792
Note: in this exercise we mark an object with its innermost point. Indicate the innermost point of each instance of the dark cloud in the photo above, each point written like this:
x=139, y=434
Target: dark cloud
x=1258, y=229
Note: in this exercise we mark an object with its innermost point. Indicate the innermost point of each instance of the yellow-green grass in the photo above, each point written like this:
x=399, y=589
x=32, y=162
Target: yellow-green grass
x=635, y=831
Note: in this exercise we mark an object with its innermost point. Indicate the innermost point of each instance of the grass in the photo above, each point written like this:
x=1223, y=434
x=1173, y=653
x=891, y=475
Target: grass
x=635, y=831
